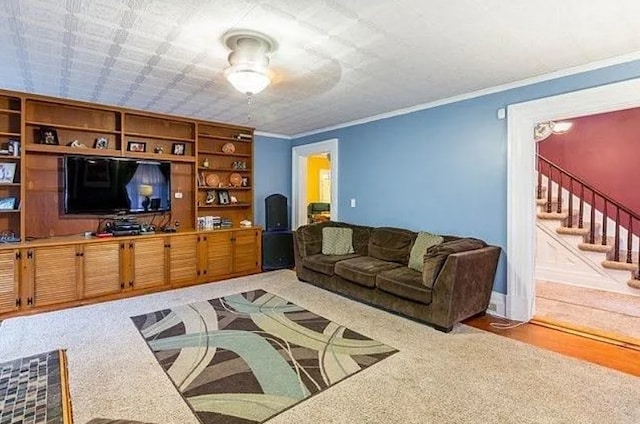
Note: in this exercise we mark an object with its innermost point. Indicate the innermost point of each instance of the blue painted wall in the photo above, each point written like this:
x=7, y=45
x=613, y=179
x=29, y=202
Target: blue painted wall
x=272, y=172
x=442, y=169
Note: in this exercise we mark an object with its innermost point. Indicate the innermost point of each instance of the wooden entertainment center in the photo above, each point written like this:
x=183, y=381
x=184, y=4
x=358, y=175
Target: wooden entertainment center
x=53, y=262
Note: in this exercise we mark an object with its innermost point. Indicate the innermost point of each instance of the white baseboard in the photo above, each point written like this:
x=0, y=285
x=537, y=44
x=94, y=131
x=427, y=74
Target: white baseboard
x=498, y=304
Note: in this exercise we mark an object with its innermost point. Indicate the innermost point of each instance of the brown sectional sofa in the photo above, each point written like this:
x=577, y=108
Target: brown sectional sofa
x=455, y=284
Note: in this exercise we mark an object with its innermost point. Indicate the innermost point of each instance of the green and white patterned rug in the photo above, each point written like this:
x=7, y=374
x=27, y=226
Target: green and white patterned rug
x=246, y=357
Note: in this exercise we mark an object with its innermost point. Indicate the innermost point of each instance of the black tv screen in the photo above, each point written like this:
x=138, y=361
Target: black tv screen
x=103, y=185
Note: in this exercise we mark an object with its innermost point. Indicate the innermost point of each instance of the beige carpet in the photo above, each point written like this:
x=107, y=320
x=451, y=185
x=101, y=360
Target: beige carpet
x=596, y=311
x=467, y=376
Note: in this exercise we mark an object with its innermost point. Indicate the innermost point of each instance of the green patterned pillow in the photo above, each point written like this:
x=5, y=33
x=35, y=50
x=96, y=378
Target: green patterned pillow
x=337, y=241
x=423, y=242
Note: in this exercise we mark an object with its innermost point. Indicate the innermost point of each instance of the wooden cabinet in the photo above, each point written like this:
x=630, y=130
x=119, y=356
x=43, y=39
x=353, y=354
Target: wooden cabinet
x=50, y=275
x=143, y=263
x=232, y=253
x=184, y=261
x=10, y=166
x=101, y=269
x=9, y=278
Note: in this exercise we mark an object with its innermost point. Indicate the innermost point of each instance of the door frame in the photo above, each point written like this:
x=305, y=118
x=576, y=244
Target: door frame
x=299, y=156
x=521, y=181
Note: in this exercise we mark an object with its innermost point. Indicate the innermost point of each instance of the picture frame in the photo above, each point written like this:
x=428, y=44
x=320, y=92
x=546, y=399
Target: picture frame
x=223, y=197
x=48, y=135
x=179, y=149
x=7, y=172
x=8, y=203
x=101, y=143
x=136, y=146
x=245, y=182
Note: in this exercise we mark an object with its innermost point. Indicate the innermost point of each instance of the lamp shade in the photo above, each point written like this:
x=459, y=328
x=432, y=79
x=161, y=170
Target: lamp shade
x=247, y=81
x=145, y=190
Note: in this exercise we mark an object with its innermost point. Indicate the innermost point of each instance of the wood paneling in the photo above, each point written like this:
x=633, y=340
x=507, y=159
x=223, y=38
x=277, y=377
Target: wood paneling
x=183, y=259
x=9, y=273
x=148, y=263
x=101, y=269
x=219, y=254
x=54, y=274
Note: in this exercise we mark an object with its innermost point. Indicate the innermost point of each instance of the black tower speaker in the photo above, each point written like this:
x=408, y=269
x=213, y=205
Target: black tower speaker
x=277, y=250
x=277, y=241
x=276, y=209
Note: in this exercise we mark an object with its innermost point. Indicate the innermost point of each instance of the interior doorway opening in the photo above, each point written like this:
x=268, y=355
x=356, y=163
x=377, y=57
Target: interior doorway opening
x=314, y=182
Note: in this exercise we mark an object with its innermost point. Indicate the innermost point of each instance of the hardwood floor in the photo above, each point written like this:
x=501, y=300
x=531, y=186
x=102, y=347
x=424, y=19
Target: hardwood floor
x=587, y=348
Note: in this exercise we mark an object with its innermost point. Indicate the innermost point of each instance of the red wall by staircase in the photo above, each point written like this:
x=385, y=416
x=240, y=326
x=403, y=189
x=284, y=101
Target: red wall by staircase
x=604, y=151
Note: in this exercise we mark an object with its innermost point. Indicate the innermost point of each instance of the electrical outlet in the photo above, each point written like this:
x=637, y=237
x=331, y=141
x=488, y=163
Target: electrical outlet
x=353, y=203
x=178, y=195
x=493, y=307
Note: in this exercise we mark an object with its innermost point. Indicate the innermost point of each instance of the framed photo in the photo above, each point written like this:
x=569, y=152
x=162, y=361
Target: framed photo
x=223, y=197
x=101, y=143
x=178, y=149
x=48, y=135
x=245, y=182
x=8, y=203
x=136, y=146
x=7, y=172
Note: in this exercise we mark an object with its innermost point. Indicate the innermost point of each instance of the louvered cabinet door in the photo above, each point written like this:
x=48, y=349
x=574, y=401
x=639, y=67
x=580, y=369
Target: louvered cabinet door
x=183, y=259
x=54, y=275
x=219, y=255
x=149, y=264
x=101, y=269
x=9, y=274
x=246, y=251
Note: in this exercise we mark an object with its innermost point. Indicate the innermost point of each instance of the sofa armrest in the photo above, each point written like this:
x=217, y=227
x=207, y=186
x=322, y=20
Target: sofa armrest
x=463, y=287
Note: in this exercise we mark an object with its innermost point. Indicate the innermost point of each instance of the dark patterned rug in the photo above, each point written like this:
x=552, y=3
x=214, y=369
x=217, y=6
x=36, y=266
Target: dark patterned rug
x=246, y=357
x=34, y=390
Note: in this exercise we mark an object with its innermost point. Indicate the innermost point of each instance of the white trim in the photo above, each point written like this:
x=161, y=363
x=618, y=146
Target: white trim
x=299, y=155
x=483, y=92
x=497, y=304
x=273, y=135
x=521, y=179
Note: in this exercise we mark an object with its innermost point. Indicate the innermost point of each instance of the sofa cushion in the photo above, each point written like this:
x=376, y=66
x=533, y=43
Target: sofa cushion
x=423, y=241
x=406, y=283
x=324, y=263
x=337, y=241
x=391, y=244
x=362, y=270
x=309, y=237
x=437, y=255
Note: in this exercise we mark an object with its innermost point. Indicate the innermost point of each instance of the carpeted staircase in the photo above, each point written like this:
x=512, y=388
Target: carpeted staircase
x=571, y=209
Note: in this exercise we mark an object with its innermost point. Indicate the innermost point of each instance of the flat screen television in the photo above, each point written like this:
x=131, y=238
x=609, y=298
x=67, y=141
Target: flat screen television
x=106, y=185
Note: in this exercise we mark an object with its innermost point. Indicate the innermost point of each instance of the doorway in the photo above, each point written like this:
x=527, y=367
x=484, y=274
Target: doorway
x=320, y=190
x=521, y=206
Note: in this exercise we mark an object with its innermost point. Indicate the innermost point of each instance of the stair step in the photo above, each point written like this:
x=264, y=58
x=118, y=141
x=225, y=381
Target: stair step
x=541, y=202
x=595, y=247
x=634, y=283
x=574, y=231
x=553, y=215
x=620, y=265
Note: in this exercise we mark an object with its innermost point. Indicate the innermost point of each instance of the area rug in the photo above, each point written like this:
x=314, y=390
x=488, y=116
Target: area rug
x=246, y=357
x=34, y=390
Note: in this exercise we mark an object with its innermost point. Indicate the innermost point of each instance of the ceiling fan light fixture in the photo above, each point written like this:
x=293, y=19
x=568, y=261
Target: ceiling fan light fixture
x=248, y=60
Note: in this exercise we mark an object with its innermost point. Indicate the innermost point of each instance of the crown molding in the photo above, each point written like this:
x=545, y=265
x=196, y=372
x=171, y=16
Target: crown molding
x=273, y=135
x=483, y=92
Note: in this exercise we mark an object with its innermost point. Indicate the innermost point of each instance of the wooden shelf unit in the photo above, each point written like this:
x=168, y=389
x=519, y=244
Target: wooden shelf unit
x=211, y=140
x=36, y=275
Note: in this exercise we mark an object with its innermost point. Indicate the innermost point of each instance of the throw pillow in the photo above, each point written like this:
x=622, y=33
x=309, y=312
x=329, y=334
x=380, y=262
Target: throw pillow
x=337, y=241
x=423, y=242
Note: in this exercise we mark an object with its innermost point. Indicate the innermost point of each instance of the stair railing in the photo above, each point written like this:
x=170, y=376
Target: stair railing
x=576, y=186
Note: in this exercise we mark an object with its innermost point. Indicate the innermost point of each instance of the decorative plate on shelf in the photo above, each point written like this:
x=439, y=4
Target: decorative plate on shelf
x=229, y=148
x=235, y=179
x=212, y=180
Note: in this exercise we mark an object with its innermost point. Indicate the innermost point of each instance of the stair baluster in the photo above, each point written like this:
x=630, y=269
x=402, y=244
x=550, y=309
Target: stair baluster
x=604, y=223
x=592, y=233
x=570, y=221
x=559, y=208
x=581, y=211
x=629, y=240
x=549, y=178
x=539, y=194
x=616, y=243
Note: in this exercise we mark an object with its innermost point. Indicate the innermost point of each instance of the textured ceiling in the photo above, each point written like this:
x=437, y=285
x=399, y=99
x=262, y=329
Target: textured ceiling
x=337, y=60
